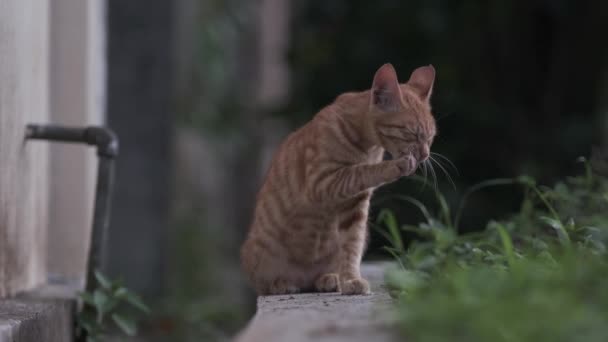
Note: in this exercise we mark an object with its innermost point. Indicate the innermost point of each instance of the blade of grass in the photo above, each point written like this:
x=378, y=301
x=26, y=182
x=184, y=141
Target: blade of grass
x=390, y=221
x=507, y=245
x=444, y=208
x=394, y=254
x=477, y=187
x=417, y=204
x=562, y=234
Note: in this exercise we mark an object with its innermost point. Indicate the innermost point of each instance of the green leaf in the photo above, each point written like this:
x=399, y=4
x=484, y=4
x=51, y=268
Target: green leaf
x=111, y=304
x=405, y=280
x=427, y=263
x=556, y=224
x=382, y=232
x=445, y=209
x=475, y=188
x=417, y=204
x=526, y=180
x=507, y=245
x=103, y=281
x=87, y=298
x=117, y=284
x=121, y=292
x=414, y=229
x=100, y=300
x=127, y=325
x=395, y=255
x=553, y=223
x=136, y=301
x=388, y=218
x=570, y=225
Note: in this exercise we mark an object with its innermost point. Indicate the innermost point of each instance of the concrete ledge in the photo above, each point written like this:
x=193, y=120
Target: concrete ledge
x=42, y=315
x=325, y=317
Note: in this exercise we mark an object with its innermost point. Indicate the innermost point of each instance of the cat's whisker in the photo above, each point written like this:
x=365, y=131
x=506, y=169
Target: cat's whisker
x=424, y=173
x=425, y=168
x=446, y=160
x=434, y=175
x=444, y=171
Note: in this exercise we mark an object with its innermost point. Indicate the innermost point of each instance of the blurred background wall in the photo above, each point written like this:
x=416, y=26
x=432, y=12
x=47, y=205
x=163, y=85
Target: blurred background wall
x=139, y=94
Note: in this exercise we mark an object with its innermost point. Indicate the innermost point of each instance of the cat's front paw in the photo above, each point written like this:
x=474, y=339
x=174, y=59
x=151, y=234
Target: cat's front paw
x=357, y=286
x=280, y=287
x=329, y=282
x=406, y=165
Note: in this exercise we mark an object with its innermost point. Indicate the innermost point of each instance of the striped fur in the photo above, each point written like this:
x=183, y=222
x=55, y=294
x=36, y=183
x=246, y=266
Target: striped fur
x=309, y=225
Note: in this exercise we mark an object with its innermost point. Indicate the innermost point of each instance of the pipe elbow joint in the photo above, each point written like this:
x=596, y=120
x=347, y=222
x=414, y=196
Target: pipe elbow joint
x=104, y=138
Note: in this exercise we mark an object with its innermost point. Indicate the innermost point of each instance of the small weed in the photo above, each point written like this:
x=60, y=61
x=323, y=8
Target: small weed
x=106, y=308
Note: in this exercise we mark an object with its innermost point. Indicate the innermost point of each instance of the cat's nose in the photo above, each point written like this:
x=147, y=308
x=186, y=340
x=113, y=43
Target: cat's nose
x=424, y=154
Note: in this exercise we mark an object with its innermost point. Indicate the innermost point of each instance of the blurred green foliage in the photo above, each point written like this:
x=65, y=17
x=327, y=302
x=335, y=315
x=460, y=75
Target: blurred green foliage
x=535, y=301
x=197, y=307
x=203, y=282
x=538, y=275
x=211, y=97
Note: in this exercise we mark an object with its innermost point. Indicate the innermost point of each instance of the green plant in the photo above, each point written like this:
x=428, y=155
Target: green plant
x=535, y=300
x=105, y=307
x=537, y=275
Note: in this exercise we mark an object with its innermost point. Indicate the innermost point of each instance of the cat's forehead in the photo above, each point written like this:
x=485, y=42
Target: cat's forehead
x=413, y=101
x=418, y=114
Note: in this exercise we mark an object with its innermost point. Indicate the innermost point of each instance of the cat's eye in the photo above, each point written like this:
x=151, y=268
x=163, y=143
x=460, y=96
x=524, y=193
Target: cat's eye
x=398, y=133
x=402, y=138
x=409, y=138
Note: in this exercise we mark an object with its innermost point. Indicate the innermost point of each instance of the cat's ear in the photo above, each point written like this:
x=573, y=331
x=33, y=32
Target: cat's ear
x=422, y=80
x=385, y=93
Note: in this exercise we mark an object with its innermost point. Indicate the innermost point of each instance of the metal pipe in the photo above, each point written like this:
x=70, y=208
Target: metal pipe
x=102, y=137
x=101, y=219
x=107, y=150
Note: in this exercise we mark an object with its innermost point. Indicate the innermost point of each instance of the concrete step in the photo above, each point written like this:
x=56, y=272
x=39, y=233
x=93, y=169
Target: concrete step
x=325, y=317
x=41, y=315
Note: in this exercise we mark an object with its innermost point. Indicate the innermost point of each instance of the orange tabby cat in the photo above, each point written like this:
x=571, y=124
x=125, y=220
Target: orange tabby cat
x=309, y=227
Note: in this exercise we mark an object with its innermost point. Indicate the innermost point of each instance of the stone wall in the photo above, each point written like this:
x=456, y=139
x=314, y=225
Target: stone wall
x=23, y=167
